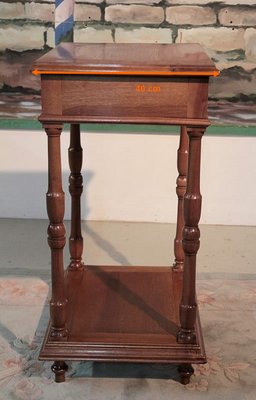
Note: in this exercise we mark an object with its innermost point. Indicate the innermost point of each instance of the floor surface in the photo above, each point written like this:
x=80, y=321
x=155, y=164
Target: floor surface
x=226, y=296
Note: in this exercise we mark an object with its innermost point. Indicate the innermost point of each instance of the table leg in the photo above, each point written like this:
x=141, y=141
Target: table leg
x=185, y=371
x=56, y=231
x=59, y=368
x=182, y=164
x=56, y=236
x=75, y=152
x=191, y=235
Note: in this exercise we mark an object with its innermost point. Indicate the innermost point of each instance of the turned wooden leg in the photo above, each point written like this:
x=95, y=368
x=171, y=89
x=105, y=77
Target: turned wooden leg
x=56, y=233
x=191, y=235
x=59, y=368
x=182, y=164
x=185, y=371
x=75, y=152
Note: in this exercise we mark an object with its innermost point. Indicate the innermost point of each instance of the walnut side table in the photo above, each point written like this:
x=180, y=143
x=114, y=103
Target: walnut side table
x=125, y=314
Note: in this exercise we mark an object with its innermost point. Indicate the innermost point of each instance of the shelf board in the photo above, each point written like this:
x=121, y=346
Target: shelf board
x=124, y=314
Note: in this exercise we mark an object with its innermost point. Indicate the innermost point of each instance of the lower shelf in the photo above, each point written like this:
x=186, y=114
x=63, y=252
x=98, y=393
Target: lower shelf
x=124, y=314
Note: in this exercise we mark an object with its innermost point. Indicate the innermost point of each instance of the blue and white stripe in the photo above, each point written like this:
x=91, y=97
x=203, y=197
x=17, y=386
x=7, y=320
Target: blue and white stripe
x=64, y=19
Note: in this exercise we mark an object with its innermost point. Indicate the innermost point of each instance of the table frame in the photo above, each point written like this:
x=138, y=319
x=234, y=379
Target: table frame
x=189, y=200
x=166, y=330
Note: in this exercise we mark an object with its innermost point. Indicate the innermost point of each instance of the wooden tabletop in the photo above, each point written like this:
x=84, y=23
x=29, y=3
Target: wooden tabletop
x=158, y=59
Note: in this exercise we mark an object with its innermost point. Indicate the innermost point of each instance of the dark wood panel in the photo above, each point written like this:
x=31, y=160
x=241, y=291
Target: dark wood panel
x=124, y=313
x=125, y=301
x=197, y=97
x=51, y=95
x=124, y=97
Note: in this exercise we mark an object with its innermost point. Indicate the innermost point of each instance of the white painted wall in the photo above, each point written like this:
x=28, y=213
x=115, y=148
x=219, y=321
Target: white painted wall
x=130, y=177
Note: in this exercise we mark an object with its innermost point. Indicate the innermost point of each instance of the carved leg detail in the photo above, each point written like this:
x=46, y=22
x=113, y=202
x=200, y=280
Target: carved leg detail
x=182, y=164
x=185, y=371
x=56, y=233
x=75, y=188
x=191, y=235
x=59, y=368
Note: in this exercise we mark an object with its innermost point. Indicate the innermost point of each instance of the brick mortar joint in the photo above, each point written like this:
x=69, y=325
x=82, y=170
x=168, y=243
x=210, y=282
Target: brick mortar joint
x=25, y=22
x=163, y=24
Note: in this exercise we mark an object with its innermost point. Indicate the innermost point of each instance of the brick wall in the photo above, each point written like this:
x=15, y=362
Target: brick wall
x=226, y=29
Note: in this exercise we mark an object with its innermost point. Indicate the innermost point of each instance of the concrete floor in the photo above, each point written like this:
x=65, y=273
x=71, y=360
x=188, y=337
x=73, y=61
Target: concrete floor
x=225, y=250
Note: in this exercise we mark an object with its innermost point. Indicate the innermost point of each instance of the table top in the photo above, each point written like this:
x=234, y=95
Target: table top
x=156, y=59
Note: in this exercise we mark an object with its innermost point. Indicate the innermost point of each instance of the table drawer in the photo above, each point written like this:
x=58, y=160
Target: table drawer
x=117, y=97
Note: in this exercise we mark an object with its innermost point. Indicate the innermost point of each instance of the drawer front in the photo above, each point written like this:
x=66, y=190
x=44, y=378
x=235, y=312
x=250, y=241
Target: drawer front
x=117, y=97
x=126, y=97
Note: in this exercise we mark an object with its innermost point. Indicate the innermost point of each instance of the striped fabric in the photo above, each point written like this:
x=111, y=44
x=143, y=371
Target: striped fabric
x=64, y=20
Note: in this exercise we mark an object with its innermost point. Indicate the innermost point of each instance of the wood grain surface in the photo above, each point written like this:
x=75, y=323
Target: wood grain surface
x=124, y=314
x=125, y=57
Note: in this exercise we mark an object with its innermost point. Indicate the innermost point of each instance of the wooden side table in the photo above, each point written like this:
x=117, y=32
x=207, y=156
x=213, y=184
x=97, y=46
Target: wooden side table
x=132, y=314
